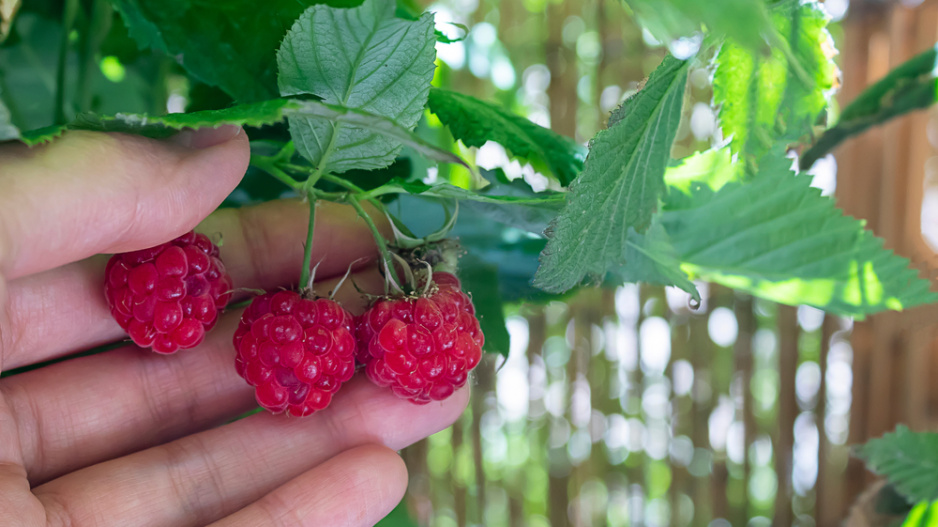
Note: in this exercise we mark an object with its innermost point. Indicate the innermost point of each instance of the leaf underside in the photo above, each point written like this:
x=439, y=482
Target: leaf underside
x=362, y=58
x=618, y=190
x=908, y=460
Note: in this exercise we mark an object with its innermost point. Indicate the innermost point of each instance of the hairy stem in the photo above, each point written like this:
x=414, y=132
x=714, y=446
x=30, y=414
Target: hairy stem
x=308, y=248
x=379, y=239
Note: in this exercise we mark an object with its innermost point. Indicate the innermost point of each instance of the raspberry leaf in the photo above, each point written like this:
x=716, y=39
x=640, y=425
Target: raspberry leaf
x=651, y=258
x=909, y=87
x=908, y=460
x=743, y=20
x=362, y=58
x=253, y=114
x=620, y=184
x=778, y=238
x=474, y=122
x=765, y=99
x=232, y=47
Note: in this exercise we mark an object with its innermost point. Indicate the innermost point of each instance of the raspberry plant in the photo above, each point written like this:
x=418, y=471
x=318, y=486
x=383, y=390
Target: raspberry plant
x=332, y=94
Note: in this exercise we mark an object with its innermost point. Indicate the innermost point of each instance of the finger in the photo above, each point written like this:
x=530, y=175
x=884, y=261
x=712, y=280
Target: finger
x=83, y=411
x=357, y=488
x=206, y=476
x=90, y=193
x=64, y=310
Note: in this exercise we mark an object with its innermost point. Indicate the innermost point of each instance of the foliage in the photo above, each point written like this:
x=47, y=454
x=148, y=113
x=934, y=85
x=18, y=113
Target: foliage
x=621, y=181
x=363, y=58
x=908, y=460
x=911, y=86
x=353, y=80
x=765, y=101
x=475, y=122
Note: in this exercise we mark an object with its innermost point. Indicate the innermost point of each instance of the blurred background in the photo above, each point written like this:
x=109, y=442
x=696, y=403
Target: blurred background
x=628, y=406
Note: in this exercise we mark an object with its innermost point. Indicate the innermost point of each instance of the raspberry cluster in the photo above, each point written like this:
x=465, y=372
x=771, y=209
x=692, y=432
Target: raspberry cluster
x=422, y=348
x=167, y=297
x=296, y=352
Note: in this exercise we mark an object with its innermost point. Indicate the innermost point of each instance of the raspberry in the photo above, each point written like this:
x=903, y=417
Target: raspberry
x=422, y=348
x=295, y=352
x=167, y=297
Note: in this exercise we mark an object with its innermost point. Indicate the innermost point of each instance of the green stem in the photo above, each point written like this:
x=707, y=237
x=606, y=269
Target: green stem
x=379, y=239
x=342, y=182
x=308, y=248
x=99, y=23
x=268, y=164
x=68, y=20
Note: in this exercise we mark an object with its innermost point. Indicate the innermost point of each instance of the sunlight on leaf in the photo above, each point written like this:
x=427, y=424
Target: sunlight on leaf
x=779, y=238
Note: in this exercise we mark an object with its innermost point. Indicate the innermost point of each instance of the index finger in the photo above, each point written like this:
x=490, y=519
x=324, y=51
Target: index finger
x=89, y=193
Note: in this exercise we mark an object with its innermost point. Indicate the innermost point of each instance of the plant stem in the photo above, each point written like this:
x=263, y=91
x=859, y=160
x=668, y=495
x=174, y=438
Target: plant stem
x=268, y=165
x=68, y=20
x=379, y=239
x=308, y=248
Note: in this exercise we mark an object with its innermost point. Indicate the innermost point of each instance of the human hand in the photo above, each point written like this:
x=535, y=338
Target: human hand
x=128, y=437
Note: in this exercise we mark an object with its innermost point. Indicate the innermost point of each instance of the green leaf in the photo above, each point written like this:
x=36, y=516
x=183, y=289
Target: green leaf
x=779, y=238
x=474, y=122
x=924, y=514
x=254, y=114
x=651, y=258
x=362, y=58
x=713, y=168
x=908, y=460
x=743, y=20
x=230, y=44
x=480, y=280
x=913, y=85
x=767, y=98
x=529, y=211
x=618, y=190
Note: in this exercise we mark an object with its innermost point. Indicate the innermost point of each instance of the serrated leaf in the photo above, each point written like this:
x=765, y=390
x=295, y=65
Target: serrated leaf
x=474, y=122
x=713, y=168
x=480, y=280
x=908, y=460
x=779, y=238
x=743, y=20
x=651, y=258
x=230, y=44
x=362, y=58
x=618, y=190
x=767, y=98
x=253, y=114
x=913, y=85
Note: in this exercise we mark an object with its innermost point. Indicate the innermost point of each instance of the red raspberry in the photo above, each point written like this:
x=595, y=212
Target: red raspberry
x=296, y=352
x=167, y=297
x=422, y=348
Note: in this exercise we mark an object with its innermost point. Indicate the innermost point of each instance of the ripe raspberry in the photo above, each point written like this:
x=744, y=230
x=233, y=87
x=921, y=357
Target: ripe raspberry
x=296, y=352
x=167, y=297
x=422, y=348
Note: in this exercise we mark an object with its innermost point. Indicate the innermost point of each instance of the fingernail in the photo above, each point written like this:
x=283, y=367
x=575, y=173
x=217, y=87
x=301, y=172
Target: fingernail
x=206, y=137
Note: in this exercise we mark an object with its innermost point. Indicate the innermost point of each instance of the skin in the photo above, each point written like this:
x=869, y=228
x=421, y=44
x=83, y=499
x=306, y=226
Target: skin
x=128, y=437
